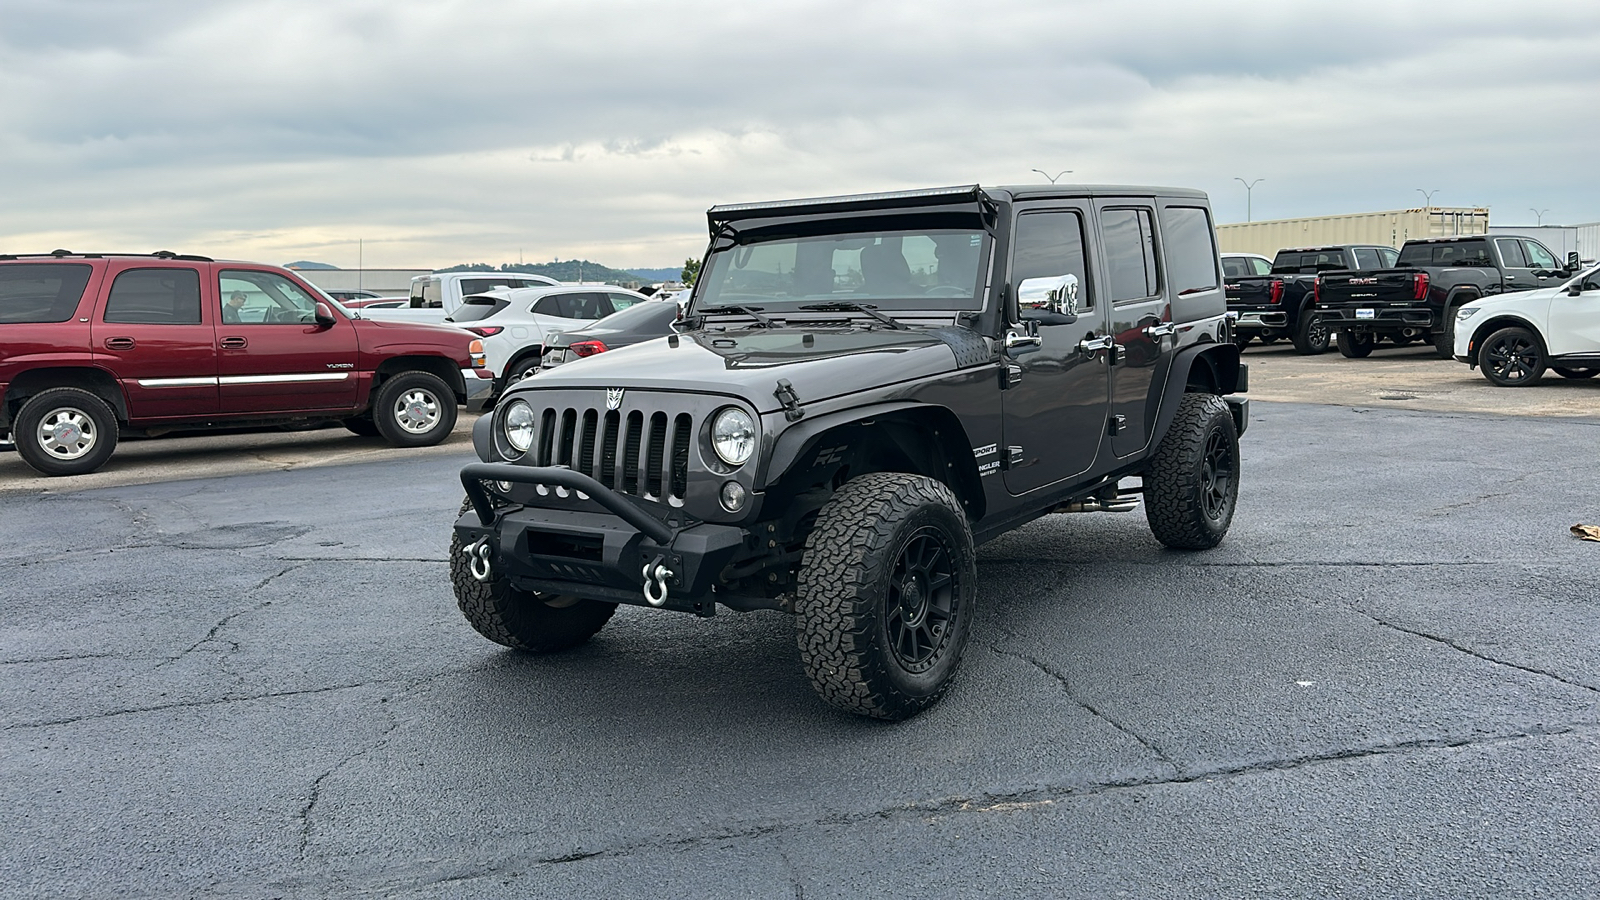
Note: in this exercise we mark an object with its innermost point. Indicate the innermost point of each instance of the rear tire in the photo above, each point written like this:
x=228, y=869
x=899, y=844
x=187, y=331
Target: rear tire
x=414, y=409
x=1512, y=357
x=1192, y=483
x=1444, y=337
x=65, y=431
x=886, y=594
x=1355, y=346
x=1574, y=373
x=522, y=620
x=1311, y=337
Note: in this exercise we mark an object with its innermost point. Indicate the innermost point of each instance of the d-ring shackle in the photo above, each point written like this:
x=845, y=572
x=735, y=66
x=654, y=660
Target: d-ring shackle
x=478, y=554
x=655, y=582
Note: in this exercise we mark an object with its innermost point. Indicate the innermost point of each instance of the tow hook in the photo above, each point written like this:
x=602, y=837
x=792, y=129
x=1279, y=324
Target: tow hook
x=478, y=554
x=655, y=582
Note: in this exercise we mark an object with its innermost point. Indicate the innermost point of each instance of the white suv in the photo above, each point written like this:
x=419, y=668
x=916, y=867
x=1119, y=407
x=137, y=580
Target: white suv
x=1514, y=337
x=515, y=322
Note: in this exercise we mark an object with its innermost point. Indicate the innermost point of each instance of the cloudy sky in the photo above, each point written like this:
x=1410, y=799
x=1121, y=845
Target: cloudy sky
x=477, y=130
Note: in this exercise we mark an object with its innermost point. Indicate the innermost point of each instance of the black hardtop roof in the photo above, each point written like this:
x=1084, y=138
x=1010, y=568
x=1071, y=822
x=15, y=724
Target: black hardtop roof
x=971, y=194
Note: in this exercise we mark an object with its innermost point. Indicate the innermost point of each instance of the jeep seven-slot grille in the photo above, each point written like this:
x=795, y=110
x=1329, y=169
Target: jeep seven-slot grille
x=634, y=453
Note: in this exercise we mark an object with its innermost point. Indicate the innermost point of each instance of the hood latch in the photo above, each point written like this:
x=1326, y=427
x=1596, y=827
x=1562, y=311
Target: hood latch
x=790, y=400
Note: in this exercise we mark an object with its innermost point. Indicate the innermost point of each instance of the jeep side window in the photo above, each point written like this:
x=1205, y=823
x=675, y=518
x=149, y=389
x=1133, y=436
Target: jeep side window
x=155, y=297
x=1539, y=257
x=1049, y=245
x=1511, y=254
x=1129, y=242
x=33, y=292
x=262, y=298
x=1191, y=249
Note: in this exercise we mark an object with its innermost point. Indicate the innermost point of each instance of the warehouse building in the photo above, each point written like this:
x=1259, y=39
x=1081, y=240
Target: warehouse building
x=1389, y=229
x=1583, y=240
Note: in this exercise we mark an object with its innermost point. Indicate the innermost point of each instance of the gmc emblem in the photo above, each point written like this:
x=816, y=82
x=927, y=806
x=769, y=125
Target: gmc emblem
x=1363, y=281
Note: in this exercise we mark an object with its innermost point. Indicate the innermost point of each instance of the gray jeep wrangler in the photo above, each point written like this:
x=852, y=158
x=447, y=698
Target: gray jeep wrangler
x=863, y=389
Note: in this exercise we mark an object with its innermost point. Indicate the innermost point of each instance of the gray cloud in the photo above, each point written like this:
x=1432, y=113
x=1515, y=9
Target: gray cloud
x=444, y=132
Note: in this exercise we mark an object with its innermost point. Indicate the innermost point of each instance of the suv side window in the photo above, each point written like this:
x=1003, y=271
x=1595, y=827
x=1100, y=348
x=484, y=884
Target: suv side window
x=1367, y=258
x=578, y=305
x=1049, y=245
x=1511, y=254
x=155, y=297
x=1390, y=256
x=1191, y=250
x=620, y=302
x=41, y=292
x=1128, y=238
x=262, y=298
x=1235, y=266
x=1261, y=266
x=1539, y=257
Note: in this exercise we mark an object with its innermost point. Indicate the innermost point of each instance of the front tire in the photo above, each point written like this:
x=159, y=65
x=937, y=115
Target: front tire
x=886, y=594
x=65, y=431
x=1311, y=337
x=522, y=620
x=414, y=409
x=1355, y=346
x=1511, y=357
x=1192, y=483
x=1444, y=337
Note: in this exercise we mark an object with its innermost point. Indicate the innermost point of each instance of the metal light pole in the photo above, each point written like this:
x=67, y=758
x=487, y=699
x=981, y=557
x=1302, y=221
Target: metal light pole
x=1057, y=175
x=1538, y=215
x=1249, y=187
x=1427, y=197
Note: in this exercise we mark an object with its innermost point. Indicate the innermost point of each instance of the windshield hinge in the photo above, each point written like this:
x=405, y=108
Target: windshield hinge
x=790, y=400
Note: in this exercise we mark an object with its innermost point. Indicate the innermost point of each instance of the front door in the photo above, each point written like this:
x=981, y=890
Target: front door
x=1054, y=405
x=1575, y=321
x=273, y=355
x=153, y=334
x=1141, y=319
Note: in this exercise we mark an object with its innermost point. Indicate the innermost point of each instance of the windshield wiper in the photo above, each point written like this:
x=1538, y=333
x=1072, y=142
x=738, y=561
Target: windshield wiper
x=851, y=306
x=753, y=312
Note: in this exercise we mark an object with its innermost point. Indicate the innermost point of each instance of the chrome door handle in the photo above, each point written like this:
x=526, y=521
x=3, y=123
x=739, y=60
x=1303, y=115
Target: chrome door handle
x=233, y=343
x=1091, y=345
x=1013, y=340
x=1162, y=330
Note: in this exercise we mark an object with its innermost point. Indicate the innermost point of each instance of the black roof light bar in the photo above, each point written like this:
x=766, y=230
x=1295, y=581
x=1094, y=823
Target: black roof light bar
x=944, y=196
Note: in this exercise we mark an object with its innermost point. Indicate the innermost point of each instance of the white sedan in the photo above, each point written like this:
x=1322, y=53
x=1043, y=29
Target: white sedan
x=1514, y=338
x=514, y=322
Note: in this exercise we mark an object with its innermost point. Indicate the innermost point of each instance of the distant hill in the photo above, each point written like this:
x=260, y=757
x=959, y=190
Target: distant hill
x=307, y=264
x=576, y=270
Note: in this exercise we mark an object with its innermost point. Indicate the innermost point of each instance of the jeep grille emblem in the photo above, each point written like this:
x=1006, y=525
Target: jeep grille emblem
x=613, y=398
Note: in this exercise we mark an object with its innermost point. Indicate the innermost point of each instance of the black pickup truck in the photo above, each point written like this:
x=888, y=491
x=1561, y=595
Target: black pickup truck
x=1276, y=304
x=1433, y=278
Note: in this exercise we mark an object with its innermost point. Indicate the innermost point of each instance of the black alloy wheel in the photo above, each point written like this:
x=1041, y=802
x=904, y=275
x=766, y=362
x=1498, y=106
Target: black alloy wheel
x=1191, y=486
x=1218, y=472
x=1512, y=357
x=922, y=600
x=1565, y=372
x=1311, y=336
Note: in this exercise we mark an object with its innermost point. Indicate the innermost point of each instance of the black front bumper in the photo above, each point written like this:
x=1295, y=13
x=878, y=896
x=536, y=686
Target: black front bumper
x=599, y=554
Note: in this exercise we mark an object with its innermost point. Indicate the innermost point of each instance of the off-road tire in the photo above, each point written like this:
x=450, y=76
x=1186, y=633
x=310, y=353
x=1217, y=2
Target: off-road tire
x=1192, y=483
x=1354, y=346
x=845, y=609
x=93, y=417
x=1310, y=336
x=1241, y=340
x=522, y=620
x=1512, y=357
x=437, y=407
x=362, y=425
x=1444, y=336
x=1565, y=372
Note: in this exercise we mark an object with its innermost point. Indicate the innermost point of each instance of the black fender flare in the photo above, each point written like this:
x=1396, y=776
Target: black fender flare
x=1211, y=367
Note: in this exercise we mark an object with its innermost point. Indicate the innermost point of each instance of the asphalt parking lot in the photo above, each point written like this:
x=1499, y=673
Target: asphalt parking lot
x=249, y=678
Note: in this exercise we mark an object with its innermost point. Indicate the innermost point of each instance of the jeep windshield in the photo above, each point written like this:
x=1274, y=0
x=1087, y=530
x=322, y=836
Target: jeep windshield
x=893, y=270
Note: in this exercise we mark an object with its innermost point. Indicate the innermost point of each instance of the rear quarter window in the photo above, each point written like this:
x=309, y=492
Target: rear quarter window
x=41, y=293
x=1191, y=249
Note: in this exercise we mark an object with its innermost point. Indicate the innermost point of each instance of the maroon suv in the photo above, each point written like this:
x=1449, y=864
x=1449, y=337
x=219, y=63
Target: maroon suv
x=96, y=344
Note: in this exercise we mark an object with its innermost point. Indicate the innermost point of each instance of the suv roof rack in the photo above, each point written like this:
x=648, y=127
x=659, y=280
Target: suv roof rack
x=62, y=254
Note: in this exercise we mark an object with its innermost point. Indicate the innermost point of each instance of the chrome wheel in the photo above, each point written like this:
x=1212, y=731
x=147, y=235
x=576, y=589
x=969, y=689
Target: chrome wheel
x=417, y=410
x=922, y=600
x=1216, y=475
x=67, y=433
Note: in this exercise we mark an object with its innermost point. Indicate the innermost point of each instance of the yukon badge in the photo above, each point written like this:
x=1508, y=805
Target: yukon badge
x=613, y=398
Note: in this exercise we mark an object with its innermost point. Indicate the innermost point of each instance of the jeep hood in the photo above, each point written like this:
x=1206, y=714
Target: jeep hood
x=818, y=363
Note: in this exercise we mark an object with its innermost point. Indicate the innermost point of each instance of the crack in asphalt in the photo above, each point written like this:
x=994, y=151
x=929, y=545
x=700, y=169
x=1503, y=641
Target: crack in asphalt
x=984, y=802
x=304, y=816
x=54, y=659
x=212, y=634
x=1475, y=654
x=189, y=704
x=1073, y=695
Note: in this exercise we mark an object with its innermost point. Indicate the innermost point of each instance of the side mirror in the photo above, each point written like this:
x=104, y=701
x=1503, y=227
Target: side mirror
x=1573, y=263
x=325, y=315
x=1051, y=300
x=1574, y=289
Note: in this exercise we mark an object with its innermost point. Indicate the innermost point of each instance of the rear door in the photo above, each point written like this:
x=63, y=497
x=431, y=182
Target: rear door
x=273, y=356
x=1141, y=316
x=154, y=332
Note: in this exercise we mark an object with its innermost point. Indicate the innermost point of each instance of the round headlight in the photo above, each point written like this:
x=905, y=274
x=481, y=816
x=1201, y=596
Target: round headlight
x=519, y=425
x=733, y=436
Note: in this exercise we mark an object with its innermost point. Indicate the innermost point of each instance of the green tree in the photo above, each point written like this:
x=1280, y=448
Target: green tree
x=691, y=271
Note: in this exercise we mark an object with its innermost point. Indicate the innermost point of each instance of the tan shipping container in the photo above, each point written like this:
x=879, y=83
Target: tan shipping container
x=1387, y=229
